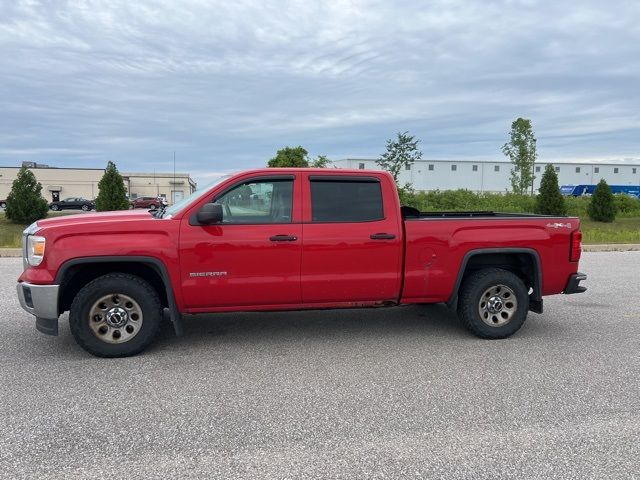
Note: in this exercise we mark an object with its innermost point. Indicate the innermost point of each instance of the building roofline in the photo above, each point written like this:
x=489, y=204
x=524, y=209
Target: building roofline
x=124, y=174
x=541, y=162
x=54, y=168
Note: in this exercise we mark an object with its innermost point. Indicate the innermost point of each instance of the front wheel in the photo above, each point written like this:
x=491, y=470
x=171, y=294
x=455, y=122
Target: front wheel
x=493, y=303
x=55, y=208
x=116, y=315
x=86, y=208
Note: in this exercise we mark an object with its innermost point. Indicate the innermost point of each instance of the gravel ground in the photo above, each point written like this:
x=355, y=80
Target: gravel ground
x=396, y=393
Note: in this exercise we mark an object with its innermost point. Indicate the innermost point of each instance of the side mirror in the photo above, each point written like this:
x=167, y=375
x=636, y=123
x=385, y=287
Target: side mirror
x=209, y=213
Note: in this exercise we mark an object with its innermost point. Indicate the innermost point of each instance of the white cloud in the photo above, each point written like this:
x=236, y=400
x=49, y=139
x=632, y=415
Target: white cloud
x=225, y=84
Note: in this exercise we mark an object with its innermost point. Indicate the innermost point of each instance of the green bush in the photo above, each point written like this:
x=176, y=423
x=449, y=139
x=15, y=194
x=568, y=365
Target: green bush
x=25, y=204
x=549, y=200
x=111, y=192
x=602, y=207
x=627, y=205
x=457, y=200
x=407, y=195
x=577, y=206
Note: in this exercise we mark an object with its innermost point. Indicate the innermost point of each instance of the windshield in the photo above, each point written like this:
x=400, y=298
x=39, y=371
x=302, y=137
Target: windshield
x=176, y=207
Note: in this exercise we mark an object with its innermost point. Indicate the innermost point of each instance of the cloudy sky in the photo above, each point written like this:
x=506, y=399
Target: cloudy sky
x=224, y=84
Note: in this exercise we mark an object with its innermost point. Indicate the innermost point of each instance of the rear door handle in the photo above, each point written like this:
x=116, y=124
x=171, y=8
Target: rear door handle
x=382, y=236
x=283, y=238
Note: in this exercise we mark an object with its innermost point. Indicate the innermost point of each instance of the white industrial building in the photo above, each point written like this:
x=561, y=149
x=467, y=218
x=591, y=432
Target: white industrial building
x=486, y=176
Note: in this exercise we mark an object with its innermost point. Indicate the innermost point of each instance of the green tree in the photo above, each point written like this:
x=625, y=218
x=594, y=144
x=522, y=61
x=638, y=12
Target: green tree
x=401, y=152
x=521, y=150
x=25, y=203
x=111, y=192
x=290, y=157
x=297, y=157
x=602, y=207
x=549, y=200
x=321, y=161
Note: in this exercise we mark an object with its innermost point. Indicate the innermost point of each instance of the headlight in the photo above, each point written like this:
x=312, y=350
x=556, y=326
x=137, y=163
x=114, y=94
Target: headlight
x=31, y=229
x=35, y=250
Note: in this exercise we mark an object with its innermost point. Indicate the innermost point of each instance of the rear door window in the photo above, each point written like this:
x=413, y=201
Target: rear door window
x=343, y=200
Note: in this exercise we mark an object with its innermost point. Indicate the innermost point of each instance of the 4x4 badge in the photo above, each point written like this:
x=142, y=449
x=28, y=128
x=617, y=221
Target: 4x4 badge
x=558, y=225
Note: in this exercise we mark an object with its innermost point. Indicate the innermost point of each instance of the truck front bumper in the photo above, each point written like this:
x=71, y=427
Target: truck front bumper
x=42, y=302
x=573, y=285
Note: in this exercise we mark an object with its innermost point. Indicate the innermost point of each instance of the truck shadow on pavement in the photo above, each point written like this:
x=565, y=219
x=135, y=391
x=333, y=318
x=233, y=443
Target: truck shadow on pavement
x=428, y=324
x=435, y=322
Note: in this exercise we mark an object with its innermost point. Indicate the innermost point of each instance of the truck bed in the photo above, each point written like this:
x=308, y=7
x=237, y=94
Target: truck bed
x=438, y=244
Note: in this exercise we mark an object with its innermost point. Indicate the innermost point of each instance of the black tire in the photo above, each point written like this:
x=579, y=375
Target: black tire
x=86, y=208
x=55, y=208
x=473, y=300
x=3, y=205
x=117, y=284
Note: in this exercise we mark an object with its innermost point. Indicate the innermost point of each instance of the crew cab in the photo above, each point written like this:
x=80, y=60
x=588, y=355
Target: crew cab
x=289, y=239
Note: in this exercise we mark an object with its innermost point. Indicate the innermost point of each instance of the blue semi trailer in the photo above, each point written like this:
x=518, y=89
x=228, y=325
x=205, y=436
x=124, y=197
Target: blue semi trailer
x=578, y=190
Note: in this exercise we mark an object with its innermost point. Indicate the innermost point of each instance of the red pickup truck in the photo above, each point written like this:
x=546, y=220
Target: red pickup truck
x=289, y=239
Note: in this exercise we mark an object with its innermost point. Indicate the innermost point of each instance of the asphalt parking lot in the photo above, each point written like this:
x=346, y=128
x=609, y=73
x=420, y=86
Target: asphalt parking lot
x=396, y=393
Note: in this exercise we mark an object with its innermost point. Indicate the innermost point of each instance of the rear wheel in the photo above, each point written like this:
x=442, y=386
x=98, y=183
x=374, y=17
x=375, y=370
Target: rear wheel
x=116, y=315
x=493, y=303
x=55, y=208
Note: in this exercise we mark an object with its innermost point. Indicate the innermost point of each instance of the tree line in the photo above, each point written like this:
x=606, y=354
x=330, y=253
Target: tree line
x=403, y=151
x=25, y=203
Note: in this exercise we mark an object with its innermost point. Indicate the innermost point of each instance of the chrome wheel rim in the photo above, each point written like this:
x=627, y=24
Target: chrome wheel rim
x=498, y=304
x=115, y=318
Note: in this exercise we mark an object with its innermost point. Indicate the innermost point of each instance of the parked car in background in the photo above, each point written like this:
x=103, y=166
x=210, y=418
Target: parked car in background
x=3, y=204
x=73, y=203
x=150, y=203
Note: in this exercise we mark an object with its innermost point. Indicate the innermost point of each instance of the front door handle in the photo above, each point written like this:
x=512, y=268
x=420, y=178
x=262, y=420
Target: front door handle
x=382, y=236
x=283, y=238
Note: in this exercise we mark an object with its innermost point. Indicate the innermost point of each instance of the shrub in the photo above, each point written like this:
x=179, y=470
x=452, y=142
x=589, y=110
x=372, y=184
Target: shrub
x=407, y=196
x=627, y=205
x=602, y=207
x=111, y=192
x=549, y=200
x=25, y=203
x=577, y=206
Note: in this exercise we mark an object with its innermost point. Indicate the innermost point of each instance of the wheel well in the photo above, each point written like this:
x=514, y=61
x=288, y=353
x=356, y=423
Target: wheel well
x=523, y=264
x=77, y=276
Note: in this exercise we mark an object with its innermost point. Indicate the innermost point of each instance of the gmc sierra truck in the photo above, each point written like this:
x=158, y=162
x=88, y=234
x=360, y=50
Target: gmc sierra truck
x=289, y=239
